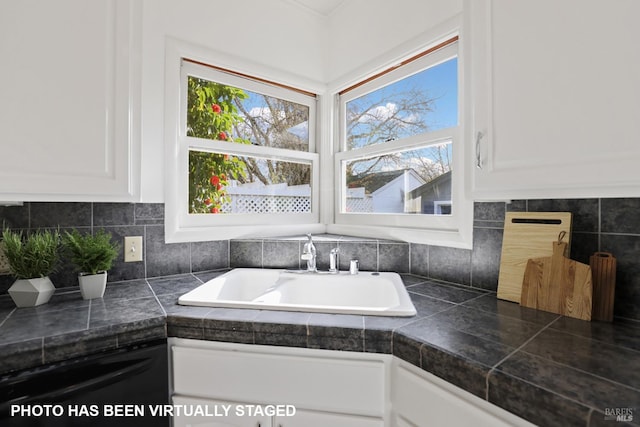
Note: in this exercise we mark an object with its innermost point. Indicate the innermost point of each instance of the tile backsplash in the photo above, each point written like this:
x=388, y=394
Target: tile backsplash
x=610, y=225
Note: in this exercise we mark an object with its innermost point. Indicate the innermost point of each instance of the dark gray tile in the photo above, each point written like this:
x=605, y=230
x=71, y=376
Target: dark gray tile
x=450, y=264
x=419, y=259
x=19, y=355
x=149, y=213
x=281, y=328
x=165, y=259
x=585, y=211
x=449, y=293
x=491, y=304
x=245, y=253
x=14, y=217
x=209, y=255
x=205, y=276
x=619, y=333
x=140, y=331
x=125, y=270
x=107, y=312
x=378, y=341
x=490, y=212
x=230, y=325
x=62, y=299
x=280, y=254
x=170, y=305
x=536, y=404
x=67, y=346
x=501, y=330
x=465, y=373
x=620, y=215
x=598, y=358
x=20, y=327
x=573, y=384
x=410, y=279
x=130, y=290
x=67, y=214
x=517, y=206
x=365, y=252
x=174, y=284
x=427, y=306
x=113, y=214
x=406, y=348
x=393, y=257
x=463, y=341
x=336, y=332
x=583, y=245
x=627, y=293
x=485, y=258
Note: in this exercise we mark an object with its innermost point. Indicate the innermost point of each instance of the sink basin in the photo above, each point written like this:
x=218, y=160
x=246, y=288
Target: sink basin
x=366, y=293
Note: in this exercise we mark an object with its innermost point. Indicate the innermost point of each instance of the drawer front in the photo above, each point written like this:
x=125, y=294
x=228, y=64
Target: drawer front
x=310, y=382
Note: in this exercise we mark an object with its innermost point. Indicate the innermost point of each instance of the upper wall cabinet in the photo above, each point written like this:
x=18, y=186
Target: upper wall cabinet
x=69, y=103
x=556, y=110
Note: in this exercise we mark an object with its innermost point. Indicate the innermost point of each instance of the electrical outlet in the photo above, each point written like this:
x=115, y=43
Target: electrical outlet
x=132, y=248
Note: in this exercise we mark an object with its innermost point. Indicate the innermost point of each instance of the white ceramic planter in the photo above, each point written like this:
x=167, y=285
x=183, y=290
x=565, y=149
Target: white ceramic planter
x=92, y=285
x=31, y=292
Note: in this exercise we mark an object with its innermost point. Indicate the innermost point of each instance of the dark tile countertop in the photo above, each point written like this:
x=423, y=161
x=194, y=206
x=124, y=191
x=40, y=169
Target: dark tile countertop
x=546, y=368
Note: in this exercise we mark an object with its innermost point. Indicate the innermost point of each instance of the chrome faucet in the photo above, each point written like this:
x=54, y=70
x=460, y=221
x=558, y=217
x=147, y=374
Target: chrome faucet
x=334, y=264
x=309, y=254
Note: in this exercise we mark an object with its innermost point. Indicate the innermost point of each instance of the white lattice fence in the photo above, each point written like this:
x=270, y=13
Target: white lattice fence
x=359, y=204
x=251, y=203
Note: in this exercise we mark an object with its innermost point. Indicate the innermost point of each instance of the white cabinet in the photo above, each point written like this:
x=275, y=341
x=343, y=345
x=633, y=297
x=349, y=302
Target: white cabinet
x=69, y=106
x=420, y=399
x=556, y=97
x=239, y=385
x=308, y=387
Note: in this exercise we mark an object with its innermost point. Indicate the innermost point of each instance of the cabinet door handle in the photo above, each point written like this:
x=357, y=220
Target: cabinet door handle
x=479, y=137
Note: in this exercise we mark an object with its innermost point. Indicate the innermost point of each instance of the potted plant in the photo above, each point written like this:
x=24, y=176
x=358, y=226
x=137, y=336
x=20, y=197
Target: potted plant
x=31, y=260
x=93, y=256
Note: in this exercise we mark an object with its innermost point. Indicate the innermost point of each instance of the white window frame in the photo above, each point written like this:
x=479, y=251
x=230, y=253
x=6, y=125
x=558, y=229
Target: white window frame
x=453, y=230
x=180, y=226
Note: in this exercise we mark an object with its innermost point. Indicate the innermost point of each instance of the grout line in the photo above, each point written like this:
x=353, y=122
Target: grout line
x=493, y=368
x=156, y=297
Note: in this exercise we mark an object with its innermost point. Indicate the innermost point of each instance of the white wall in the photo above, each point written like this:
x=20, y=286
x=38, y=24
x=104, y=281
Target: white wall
x=361, y=31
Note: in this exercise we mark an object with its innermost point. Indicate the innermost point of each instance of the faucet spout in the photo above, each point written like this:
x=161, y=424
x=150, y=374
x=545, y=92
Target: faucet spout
x=309, y=254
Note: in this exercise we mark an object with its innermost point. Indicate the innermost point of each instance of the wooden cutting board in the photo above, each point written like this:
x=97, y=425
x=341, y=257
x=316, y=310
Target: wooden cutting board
x=603, y=270
x=558, y=284
x=527, y=235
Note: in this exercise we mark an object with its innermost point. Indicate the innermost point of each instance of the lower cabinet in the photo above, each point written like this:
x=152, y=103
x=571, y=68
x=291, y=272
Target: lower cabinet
x=233, y=385
x=236, y=385
x=420, y=398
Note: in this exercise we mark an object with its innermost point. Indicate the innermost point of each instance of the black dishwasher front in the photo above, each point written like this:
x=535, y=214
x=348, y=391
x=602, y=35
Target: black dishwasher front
x=124, y=387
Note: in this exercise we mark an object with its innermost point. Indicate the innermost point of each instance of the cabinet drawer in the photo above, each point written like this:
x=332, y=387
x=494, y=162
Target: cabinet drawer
x=331, y=384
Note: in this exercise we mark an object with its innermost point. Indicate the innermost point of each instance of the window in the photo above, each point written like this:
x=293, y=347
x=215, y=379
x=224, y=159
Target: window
x=242, y=156
x=399, y=164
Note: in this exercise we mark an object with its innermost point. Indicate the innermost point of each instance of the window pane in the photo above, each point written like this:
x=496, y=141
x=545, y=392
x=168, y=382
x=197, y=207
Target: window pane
x=412, y=182
x=227, y=113
x=423, y=102
x=222, y=183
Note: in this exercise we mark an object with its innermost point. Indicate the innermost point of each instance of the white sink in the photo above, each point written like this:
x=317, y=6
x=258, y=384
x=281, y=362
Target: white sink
x=366, y=293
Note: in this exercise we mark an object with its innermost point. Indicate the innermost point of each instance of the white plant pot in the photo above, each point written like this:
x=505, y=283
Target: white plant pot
x=92, y=285
x=31, y=292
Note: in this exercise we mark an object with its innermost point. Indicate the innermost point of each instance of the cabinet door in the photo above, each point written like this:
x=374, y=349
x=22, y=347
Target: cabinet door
x=213, y=413
x=68, y=110
x=304, y=418
x=555, y=110
x=421, y=399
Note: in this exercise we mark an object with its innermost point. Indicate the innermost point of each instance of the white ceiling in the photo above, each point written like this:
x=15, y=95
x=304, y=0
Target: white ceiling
x=323, y=7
